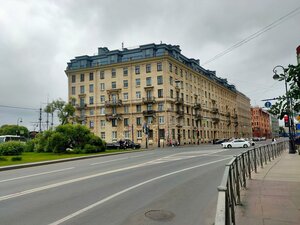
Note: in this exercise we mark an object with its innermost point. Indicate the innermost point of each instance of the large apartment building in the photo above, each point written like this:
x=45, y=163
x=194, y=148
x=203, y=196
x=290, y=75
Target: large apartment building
x=261, y=123
x=153, y=94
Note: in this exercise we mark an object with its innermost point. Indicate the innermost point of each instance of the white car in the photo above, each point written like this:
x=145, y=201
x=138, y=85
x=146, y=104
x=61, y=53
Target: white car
x=237, y=143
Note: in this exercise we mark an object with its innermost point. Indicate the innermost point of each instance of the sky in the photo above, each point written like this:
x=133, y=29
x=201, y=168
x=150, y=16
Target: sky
x=39, y=37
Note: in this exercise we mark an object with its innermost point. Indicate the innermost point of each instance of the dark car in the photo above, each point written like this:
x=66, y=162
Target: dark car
x=113, y=145
x=129, y=144
x=220, y=141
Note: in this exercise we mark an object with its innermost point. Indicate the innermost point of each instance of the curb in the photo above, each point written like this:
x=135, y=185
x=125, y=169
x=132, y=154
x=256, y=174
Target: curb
x=20, y=166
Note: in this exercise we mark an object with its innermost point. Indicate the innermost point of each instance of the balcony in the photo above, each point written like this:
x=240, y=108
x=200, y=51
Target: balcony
x=179, y=101
x=228, y=114
x=149, y=113
x=198, y=116
x=235, y=116
x=215, y=110
x=80, y=106
x=236, y=123
x=197, y=106
x=178, y=125
x=81, y=118
x=149, y=100
x=228, y=122
x=216, y=120
x=110, y=117
x=113, y=103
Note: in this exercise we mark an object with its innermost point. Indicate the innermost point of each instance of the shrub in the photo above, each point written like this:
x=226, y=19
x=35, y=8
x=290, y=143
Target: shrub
x=29, y=146
x=3, y=158
x=16, y=158
x=12, y=148
x=90, y=148
x=58, y=143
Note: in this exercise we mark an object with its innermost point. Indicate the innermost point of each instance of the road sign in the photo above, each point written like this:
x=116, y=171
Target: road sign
x=298, y=118
x=268, y=104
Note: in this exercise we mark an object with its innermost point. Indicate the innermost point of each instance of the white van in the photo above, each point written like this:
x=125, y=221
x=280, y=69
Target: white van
x=6, y=138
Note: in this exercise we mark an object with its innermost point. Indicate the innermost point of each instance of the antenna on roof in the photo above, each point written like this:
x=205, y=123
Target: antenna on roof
x=122, y=46
x=160, y=42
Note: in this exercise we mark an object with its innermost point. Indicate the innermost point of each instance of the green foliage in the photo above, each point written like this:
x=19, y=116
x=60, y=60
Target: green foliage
x=3, y=159
x=281, y=107
x=16, y=158
x=29, y=146
x=65, y=111
x=14, y=130
x=76, y=137
x=12, y=148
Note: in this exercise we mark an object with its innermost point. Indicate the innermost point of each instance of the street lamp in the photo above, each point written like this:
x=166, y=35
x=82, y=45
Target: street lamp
x=19, y=120
x=292, y=149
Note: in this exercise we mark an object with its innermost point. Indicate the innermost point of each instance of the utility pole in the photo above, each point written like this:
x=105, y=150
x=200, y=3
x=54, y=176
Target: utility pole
x=40, y=121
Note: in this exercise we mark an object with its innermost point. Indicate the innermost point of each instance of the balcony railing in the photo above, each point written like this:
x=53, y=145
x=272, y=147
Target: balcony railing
x=149, y=100
x=110, y=117
x=216, y=120
x=179, y=112
x=215, y=110
x=198, y=116
x=113, y=103
x=80, y=106
x=149, y=112
x=178, y=101
x=197, y=106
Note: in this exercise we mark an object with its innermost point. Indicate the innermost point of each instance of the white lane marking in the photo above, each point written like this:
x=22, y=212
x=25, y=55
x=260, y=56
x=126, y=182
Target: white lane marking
x=18, y=194
x=37, y=174
x=113, y=160
x=129, y=189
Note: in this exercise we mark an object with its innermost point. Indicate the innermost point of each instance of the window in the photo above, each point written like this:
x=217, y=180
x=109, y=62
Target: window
x=91, y=124
x=102, y=110
x=159, y=80
x=91, y=100
x=91, y=76
x=102, y=98
x=82, y=102
x=114, y=135
x=114, y=122
x=160, y=93
x=125, y=96
x=138, y=121
x=113, y=73
x=148, y=81
x=188, y=121
x=81, y=77
x=73, y=90
x=149, y=107
x=102, y=86
x=137, y=69
x=171, y=93
x=125, y=71
x=149, y=120
x=176, y=70
x=161, y=106
x=73, y=101
x=138, y=108
x=102, y=135
x=127, y=134
x=159, y=66
x=81, y=89
x=139, y=134
x=161, y=119
x=102, y=74
x=114, y=85
x=148, y=68
x=138, y=94
x=126, y=122
x=102, y=123
x=170, y=67
x=125, y=83
x=73, y=78
x=91, y=88
x=137, y=82
x=171, y=80
x=92, y=112
x=181, y=74
x=126, y=109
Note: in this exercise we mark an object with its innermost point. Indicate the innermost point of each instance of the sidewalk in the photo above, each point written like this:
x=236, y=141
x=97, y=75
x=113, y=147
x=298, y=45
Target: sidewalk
x=273, y=195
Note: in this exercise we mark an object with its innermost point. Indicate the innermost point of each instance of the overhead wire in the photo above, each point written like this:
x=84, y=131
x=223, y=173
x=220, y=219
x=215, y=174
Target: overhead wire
x=254, y=35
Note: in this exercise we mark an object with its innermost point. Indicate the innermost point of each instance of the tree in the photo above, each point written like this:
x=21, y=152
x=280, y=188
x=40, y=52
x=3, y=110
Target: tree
x=64, y=110
x=292, y=76
x=14, y=130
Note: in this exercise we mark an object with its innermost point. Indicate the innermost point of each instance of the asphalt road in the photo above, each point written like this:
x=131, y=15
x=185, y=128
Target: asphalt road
x=175, y=186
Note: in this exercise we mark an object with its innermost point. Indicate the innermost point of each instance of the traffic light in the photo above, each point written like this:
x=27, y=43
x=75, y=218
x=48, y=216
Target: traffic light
x=286, y=120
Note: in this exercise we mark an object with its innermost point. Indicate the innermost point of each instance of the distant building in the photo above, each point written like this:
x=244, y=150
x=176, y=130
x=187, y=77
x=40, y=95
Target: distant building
x=261, y=123
x=274, y=126
x=155, y=92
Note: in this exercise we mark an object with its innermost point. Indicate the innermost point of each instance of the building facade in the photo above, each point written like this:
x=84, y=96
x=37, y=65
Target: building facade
x=261, y=124
x=153, y=94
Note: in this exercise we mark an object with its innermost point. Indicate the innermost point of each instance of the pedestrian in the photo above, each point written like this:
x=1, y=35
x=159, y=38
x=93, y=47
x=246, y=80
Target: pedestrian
x=273, y=140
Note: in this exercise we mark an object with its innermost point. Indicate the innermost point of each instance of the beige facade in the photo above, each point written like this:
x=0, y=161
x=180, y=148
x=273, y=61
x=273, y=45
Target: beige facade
x=175, y=102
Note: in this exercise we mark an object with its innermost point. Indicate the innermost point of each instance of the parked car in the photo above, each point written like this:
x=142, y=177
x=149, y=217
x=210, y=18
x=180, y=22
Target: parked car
x=123, y=144
x=220, y=141
x=113, y=145
x=237, y=143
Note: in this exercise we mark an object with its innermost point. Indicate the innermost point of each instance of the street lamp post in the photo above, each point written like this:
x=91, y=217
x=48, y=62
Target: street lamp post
x=19, y=120
x=292, y=149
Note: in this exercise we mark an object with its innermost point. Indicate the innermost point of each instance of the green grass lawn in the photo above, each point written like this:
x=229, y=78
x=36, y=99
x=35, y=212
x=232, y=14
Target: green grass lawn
x=30, y=157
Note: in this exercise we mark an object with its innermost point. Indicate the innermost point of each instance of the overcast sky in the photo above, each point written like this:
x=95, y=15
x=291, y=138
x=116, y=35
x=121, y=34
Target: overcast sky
x=39, y=37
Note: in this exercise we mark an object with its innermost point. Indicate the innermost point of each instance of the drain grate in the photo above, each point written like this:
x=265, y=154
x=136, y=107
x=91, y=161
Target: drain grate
x=160, y=215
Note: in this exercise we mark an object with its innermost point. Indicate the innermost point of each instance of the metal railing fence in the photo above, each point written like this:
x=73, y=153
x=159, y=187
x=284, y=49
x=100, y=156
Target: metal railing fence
x=236, y=173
